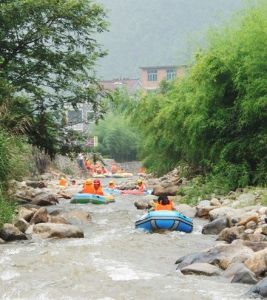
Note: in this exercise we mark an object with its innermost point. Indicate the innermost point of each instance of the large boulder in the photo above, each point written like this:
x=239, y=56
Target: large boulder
x=203, y=209
x=231, y=234
x=51, y=230
x=255, y=246
x=11, y=233
x=21, y=224
x=169, y=190
x=257, y=263
x=77, y=217
x=186, y=210
x=239, y=273
x=221, y=255
x=260, y=289
x=201, y=269
x=222, y=212
x=57, y=220
x=26, y=213
x=45, y=199
x=215, y=227
x=144, y=203
x=40, y=216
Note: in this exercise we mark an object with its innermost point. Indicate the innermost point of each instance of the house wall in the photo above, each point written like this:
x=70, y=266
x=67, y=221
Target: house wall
x=162, y=73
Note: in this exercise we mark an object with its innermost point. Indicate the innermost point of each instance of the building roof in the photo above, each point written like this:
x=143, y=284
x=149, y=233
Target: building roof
x=132, y=85
x=162, y=67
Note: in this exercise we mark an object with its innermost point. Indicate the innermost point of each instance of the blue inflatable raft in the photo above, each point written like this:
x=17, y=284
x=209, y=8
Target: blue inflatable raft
x=92, y=198
x=165, y=220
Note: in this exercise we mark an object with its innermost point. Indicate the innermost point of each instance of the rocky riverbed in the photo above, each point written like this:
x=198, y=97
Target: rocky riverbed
x=228, y=245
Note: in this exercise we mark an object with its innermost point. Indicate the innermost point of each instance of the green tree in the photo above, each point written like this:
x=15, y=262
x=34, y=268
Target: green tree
x=215, y=119
x=48, y=51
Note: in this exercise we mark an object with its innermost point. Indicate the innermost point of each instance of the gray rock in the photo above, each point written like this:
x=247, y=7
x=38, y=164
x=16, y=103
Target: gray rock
x=215, y=227
x=251, y=225
x=169, y=190
x=186, y=210
x=45, y=199
x=257, y=263
x=11, y=233
x=238, y=273
x=221, y=255
x=21, y=224
x=52, y=230
x=40, y=216
x=26, y=214
x=215, y=202
x=221, y=212
x=144, y=203
x=201, y=269
x=255, y=246
x=77, y=217
x=2, y=241
x=231, y=234
x=264, y=229
x=260, y=289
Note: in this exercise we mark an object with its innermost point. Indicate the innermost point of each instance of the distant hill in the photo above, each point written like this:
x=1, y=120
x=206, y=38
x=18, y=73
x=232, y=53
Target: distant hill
x=156, y=32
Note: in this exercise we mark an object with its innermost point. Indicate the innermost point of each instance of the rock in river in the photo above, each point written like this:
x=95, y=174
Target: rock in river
x=222, y=255
x=239, y=273
x=215, y=227
x=201, y=269
x=260, y=289
x=11, y=233
x=52, y=230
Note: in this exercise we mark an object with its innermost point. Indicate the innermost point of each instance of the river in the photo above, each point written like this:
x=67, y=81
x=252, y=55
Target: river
x=113, y=261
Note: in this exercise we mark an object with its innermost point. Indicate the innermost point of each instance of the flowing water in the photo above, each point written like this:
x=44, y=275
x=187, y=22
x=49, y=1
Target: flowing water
x=113, y=261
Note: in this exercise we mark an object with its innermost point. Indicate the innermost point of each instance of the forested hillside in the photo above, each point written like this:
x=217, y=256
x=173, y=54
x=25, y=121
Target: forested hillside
x=157, y=32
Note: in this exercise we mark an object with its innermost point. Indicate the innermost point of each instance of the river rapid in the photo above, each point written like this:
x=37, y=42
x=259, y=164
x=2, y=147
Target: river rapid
x=113, y=261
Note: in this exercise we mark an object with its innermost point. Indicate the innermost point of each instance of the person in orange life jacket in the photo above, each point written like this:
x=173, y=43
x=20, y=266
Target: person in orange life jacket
x=88, y=187
x=164, y=204
x=62, y=182
x=140, y=185
x=98, y=187
x=111, y=185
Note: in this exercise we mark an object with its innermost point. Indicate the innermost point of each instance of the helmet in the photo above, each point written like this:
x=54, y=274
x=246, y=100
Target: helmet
x=139, y=181
x=111, y=182
x=88, y=181
x=96, y=181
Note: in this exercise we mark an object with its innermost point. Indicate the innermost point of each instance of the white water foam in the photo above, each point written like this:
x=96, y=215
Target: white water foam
x=8, y=275
x=119, y=271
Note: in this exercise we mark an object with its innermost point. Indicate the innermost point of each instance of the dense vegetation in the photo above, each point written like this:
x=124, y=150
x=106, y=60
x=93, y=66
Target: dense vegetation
x=215, y=119
x=48, y=51
x=118, y=139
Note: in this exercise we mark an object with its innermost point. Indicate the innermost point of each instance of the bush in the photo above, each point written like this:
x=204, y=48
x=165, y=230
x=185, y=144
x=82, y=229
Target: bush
x=7, y=209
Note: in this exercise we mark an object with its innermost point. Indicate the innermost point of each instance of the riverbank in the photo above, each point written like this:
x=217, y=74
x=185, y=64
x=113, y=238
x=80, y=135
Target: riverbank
x=111, y=251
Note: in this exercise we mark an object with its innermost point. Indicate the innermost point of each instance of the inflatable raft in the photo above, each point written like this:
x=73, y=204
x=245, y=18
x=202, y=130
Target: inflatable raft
x=92, y=198
x=136, y=192
x=109, y=191
x=166, y=220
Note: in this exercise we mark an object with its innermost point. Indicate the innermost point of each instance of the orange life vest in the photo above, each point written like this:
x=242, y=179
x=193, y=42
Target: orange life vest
x=88, y=188
x=98, y=191
x=63, y=182
x=160, y=206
